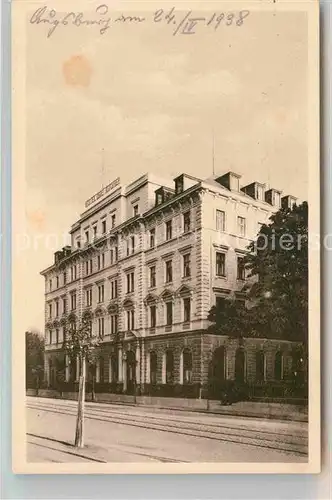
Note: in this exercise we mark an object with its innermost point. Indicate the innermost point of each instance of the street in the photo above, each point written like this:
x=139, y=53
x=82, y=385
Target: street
x=121, y=433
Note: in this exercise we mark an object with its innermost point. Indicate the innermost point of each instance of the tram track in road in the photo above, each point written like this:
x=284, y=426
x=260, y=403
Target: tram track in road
x=51, y=444
x=279, y=441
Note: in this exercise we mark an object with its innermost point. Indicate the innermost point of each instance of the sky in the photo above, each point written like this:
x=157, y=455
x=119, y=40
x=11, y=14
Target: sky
x=153, y=102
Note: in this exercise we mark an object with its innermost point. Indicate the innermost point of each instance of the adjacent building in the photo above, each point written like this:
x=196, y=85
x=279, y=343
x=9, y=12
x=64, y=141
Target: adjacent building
x=146, y=263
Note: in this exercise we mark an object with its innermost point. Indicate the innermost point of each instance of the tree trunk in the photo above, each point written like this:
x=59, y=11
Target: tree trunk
x=79, y=435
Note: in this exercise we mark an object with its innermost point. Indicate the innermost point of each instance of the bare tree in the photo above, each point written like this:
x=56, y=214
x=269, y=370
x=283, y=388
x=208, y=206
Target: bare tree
x=80, y=344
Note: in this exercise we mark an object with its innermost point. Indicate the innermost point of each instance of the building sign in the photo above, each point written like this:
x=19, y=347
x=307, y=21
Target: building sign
x=102, y=192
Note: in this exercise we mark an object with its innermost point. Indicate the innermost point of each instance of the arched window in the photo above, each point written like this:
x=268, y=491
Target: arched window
x=187, y=366
x=169, y=366
x=278, y=366
x=240, y=365
x=260, y=366
x=153, y=367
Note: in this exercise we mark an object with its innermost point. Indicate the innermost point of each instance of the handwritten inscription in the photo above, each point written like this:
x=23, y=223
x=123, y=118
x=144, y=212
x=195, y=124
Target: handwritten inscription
x=181, y=23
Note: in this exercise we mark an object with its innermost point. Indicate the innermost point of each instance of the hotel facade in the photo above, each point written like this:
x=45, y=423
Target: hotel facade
x=146, y=263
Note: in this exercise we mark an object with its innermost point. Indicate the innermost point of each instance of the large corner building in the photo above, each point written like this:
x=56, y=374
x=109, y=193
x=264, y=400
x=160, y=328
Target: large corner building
x=146, y=263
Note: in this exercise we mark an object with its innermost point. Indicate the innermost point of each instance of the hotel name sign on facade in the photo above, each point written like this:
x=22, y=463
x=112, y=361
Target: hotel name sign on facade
x=102, y=192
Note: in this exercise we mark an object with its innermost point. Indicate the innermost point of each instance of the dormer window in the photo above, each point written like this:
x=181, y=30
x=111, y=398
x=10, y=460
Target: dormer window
x=273, y=197
x=230, y=181
x=260, y=192
x=277, y=199
x=159, y=199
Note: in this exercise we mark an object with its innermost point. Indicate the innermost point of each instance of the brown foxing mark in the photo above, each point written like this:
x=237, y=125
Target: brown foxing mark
x=77, y=71
x=37, y=219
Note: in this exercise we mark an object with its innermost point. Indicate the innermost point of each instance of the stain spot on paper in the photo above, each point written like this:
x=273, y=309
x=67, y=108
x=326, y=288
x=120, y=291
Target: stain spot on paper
x=36, y=219
x=77, y=71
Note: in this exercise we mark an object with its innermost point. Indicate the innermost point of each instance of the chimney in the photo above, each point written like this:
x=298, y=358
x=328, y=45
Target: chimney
x=230, y=181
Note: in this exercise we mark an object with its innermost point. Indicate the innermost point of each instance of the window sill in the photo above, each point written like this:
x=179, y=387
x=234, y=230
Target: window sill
x=168, y=328
x=221, y=276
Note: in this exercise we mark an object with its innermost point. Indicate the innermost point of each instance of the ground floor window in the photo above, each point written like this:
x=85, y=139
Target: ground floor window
x=278, y=366
x=153, y=367
x=240, y=365
x=169, y=367
x=260, y=366
x=187, y=366
x=114, y=367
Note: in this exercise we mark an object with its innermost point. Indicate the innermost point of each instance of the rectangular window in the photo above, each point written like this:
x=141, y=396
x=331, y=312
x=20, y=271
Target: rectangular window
x=220, y=264
x=220, y=220
x=113, y=220
x=99, y=266
x=130, y=282
x=153, y=316
x=103, y=226
x=87, y=267
x=132, y=244
x=169, y=313
x=114, y=289
x=135, y=210
x=186, y=309
x=64, y=277
x=88, y=297
x=57, y=281
x=116, y=254
x=57, y=308
x=131, y=319
x=240, y=269
x=276, y=199
x=51, y=339
x=114, y=323
x=169, y=230
x=95, y=231
x=87, y=236
x=152, y=276
x=91, y=266
x=241, y=225
x=186, y=222
x=50, y=285
x=57, y=336
x=260, y=193
x=101, y=290
x=73, y=301
x=112, y=256
x=64, y=305
x=169, y=271
x=152, y=238
x=101, y=327
x=186, y=266
x=50, y=310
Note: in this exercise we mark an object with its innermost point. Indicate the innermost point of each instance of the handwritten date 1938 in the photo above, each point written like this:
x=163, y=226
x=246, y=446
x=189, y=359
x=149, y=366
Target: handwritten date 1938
x=186, y=24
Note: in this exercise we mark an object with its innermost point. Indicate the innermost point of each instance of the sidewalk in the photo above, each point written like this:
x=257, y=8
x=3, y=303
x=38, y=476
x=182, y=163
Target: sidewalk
x=277, y=411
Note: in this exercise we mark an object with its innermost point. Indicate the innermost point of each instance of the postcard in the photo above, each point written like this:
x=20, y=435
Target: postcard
x=166, y=272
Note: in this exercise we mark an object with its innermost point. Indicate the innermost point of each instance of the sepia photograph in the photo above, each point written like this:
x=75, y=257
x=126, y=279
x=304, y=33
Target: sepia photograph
x=166, y=237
